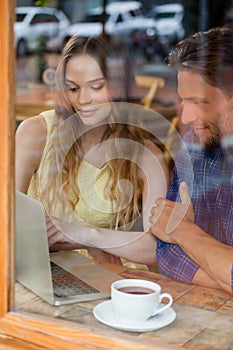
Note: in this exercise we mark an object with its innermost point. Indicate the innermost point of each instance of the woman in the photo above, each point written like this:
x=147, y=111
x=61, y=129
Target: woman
x=86, y=159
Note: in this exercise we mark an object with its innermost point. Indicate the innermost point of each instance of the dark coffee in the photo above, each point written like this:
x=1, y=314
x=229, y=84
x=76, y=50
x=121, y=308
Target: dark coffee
x=136, y=290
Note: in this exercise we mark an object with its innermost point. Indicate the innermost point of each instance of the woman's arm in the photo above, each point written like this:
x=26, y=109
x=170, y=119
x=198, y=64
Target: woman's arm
x=155, y=175
x=30, y=141
x=139, y=247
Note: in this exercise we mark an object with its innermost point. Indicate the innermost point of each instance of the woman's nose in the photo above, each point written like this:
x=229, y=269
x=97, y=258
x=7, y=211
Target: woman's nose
x=84, y=96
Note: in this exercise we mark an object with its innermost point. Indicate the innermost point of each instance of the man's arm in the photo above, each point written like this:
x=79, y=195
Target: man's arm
x=175, y=263
x=214, y=257
x=192, y=255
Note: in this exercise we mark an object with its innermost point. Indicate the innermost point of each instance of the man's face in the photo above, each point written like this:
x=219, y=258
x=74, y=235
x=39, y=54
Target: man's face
x=206, y=108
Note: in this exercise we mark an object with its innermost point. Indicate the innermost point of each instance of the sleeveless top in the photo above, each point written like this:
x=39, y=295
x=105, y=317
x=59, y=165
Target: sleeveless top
x=92, y=207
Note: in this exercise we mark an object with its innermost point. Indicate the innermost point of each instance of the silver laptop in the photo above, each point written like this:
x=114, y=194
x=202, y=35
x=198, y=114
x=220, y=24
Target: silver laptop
x=59, y=278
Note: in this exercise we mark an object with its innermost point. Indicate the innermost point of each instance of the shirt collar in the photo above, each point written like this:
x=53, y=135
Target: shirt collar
x=227, y=147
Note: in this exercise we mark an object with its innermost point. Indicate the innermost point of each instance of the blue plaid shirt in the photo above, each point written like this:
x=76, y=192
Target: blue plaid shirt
x=210, y=181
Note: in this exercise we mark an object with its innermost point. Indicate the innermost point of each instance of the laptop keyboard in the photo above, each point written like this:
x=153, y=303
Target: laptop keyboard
x=65, y=284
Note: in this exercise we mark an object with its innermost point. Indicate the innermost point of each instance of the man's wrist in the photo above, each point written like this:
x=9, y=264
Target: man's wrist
x=180, y=233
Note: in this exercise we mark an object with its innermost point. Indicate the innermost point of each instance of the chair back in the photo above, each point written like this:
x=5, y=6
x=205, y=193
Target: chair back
x=153, y=83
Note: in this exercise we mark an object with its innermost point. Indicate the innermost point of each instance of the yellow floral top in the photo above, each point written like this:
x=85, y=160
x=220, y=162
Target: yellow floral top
x=92, y=207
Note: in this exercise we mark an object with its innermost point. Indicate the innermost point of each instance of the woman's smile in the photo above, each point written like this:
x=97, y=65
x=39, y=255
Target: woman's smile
x=87, y=112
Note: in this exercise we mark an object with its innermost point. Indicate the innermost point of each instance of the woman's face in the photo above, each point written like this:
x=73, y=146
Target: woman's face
x=87, y=89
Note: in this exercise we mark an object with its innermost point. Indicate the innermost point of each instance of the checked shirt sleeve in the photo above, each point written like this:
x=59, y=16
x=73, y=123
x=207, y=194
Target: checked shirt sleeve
x=172, y=260
x=174, y=263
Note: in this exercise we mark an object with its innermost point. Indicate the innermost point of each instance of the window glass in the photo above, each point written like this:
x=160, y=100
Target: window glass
x=20, y=17
x=119, y=19
x=146, y=47
x=44, y=18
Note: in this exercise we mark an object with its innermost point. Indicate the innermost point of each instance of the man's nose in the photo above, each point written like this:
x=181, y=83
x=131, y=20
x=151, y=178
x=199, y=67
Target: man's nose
x=188, y=114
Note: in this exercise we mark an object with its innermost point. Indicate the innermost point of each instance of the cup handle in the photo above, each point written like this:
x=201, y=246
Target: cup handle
x=164, y=307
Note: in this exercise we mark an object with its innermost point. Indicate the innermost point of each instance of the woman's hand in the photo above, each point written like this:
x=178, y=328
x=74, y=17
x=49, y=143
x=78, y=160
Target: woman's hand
x=56, y=231
x=59, y=233
x=104, y=257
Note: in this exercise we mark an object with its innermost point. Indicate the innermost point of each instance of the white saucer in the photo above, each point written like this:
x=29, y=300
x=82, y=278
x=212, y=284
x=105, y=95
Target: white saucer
x=105, y=314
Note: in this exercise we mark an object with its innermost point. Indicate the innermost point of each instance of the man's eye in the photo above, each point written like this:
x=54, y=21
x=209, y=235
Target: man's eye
x=200, y=102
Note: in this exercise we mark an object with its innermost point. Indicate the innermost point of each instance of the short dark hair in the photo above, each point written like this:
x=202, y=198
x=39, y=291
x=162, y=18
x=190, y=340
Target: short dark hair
x=210, y=54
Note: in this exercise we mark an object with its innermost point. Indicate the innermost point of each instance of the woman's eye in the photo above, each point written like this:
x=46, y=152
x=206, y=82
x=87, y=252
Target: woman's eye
x=72, y=89
x=97, y=86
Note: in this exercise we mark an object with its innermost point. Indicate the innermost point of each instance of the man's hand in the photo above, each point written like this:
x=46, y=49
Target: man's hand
x=167, y=216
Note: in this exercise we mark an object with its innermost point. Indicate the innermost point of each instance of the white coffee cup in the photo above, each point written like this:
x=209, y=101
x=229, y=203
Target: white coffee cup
x=136, y=300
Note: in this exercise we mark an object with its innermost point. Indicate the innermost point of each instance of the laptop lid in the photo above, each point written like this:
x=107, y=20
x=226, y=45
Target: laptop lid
x=33, y=268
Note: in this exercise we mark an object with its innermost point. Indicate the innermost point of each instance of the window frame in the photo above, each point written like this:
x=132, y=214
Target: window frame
x=22, y=330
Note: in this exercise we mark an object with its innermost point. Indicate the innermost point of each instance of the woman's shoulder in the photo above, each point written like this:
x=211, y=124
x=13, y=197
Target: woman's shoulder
x=49, y=115
x=33, y=131
x=30, y=141
x=32, y=126
x=37, y=125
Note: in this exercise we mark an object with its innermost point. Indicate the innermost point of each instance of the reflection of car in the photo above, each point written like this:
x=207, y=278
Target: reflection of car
x=34, y=25
x=121, y=19
x=150, y=44
x=168, y=20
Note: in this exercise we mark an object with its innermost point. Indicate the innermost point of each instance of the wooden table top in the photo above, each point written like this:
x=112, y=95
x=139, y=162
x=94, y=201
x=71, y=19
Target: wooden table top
x=204, y=316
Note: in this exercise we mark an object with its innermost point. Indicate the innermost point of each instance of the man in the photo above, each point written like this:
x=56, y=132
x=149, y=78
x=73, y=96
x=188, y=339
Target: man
x=196, y=237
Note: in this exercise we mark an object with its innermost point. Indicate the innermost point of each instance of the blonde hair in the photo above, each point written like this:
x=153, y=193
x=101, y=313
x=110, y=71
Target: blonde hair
x=65, y=153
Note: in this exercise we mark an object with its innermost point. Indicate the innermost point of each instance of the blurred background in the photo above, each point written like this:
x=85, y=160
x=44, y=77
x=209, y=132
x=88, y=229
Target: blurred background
x=149, y=29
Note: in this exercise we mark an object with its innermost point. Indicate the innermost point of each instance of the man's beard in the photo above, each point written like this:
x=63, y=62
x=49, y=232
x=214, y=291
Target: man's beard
x=214, y=140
